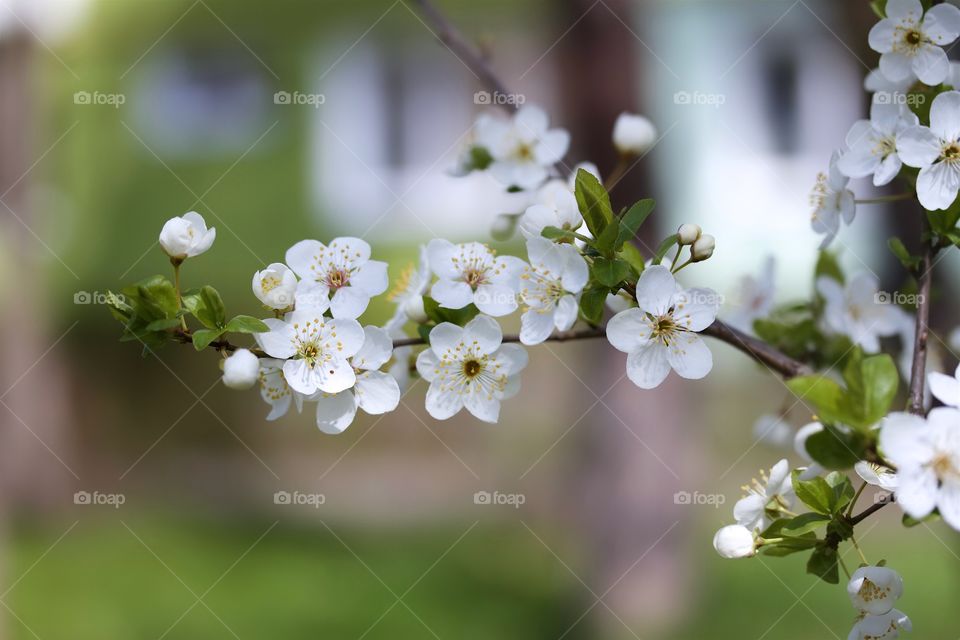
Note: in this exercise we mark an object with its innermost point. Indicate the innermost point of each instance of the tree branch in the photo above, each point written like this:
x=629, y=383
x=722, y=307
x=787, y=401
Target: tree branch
x=918, y=372
x=872, y=509
x=465, y=51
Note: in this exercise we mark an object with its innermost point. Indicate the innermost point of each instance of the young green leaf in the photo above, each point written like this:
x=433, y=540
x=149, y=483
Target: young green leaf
x=246, y=324
x=610, y=273
x=203, y=337
x=823, y=563
x=593, y=202
x=591, y=304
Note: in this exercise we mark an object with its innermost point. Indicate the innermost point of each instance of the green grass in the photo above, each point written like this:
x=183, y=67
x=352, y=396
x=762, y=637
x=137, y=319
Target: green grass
x=301, y=581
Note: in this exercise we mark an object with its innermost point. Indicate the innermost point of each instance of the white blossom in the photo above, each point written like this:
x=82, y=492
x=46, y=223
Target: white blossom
x=945, y=388
x=910, y=41
x=315, y=348
x=755, y=296
x=186, y=236
x=877, y=475
x=241, y=369
x=887, y=92
x=688, y=233
x=854, y=310
x=935, y=150
x=340, y=274
x=882, y=627
x=523, y=148
x=874, y=590
x=375, y=392
x=469, y=367
x=734, y=541
x=274, y=389
x=408, y=293
x=556, y=206
x=832, y=202
x=549, y=289
x=926, y=454
x=660, y=333
x=275, y=286
x=770, y=494
x=633, y=134
x=473, y=273
x=873, y=144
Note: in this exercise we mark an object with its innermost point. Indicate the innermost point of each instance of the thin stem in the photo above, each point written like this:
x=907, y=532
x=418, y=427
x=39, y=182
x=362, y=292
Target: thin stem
x=623, y=163
x=176, y=285
x=883, y=199
x=872, y=509
x=469, y=54
x=918, y=371
x=859, y=550
x=856, y=497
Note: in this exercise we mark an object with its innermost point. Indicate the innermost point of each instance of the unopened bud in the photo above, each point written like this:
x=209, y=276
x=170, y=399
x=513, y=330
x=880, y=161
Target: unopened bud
x=702, y=249
x=734, y=541
x=688, y=233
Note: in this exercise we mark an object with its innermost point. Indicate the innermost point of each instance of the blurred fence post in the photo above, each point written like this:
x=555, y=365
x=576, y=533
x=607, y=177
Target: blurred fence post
x=624, y=491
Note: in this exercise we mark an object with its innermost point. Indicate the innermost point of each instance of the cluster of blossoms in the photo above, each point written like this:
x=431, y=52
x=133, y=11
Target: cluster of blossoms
x=315, y=350
x=580, y=268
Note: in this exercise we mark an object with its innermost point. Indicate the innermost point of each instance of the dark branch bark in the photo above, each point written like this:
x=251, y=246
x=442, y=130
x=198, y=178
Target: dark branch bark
x=872, y=509
x=468, y=53
x=918, y=371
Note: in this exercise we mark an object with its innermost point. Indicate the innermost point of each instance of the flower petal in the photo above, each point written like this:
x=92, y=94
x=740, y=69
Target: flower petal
x=376, y=349
x=495, y=299
x=629, y=330
x=377, y=392
x=931, y=64
x=536, y=325
x=937, y=186
x=648, y=366
x=304, y=255
x=452, y=294
x=484, y=406
x=690, y=357
x=336, y=412
x=371, y=278
x=918, y=146
x=443, y=404
x=942, y=23
x=349, y=302
x=945, y=116
x=484, y=332
x=655, y=289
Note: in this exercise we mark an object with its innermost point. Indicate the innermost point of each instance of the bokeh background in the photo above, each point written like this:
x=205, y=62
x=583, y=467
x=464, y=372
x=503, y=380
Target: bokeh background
x=181, y=116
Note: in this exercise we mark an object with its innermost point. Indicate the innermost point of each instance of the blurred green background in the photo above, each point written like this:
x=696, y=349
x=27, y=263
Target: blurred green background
x=601, y=548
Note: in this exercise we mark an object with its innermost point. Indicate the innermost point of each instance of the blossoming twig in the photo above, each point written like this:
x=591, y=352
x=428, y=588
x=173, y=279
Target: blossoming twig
x=919, y=367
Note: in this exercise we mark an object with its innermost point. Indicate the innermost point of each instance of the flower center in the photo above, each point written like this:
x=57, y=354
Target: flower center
x=403, y=283
x=663, y=328
x=474, y=277
x=885, y=147
x=951, y=151
x=524, y=152
x=472, y=368
x=310, y=351
x=818, y=195
x=870, y=591
x=337, y=278
x=943, y=466
x=908, y=39
x=269, y=283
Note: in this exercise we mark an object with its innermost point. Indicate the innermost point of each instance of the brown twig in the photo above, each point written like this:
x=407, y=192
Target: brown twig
x=918, y=372
x=872, y=509
x=465, y=51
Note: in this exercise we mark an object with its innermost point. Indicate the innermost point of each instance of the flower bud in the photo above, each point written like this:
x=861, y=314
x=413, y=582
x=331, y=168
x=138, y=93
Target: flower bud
x=275, y=286
x=186, y=236
x=702, y=249
x=414, y=310
x=241, y=370
x=689, y=233
x=734, y=541
x=633, y=134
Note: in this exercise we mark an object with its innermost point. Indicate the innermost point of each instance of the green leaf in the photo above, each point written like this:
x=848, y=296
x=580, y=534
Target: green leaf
x=879, y=7
x=815, y=493
x=633, y=219
x=592, y=304
x=835, y=449
x=804, y=523
x=424, y=331
x=593, y=202
x=900, y=251
x=843, y=491
x=610, y=273
x=439, y=314
x=247, y=324
x=871, y=388
x=827, y=265
x=632, y=256
x=664, y=247
x=823, y=563
x=213, y=304
x=163, y=324
x=823, y=393
x=556, y=233
x=479, y=159
x=203, y=337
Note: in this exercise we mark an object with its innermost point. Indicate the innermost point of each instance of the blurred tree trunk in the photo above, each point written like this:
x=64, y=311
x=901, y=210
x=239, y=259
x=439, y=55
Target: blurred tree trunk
x=31, y=378
x=624, y=496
